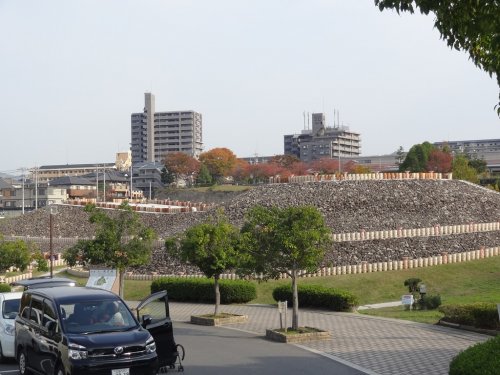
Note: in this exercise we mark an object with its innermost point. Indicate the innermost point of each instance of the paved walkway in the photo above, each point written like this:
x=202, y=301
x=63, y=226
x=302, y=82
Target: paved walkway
x=377, y=346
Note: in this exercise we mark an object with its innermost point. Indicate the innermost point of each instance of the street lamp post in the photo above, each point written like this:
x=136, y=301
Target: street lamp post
x=53, y=211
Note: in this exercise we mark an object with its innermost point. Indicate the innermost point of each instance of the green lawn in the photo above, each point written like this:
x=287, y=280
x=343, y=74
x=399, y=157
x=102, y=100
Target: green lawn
x=475, y=281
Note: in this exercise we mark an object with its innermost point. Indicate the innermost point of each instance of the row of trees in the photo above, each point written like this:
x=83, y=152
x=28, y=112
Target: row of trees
x=271, y=241
x=425, y=157
x=19, y=254
x=219, y=163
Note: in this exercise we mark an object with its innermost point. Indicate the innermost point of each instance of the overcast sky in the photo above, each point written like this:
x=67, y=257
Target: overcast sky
x=72, y=72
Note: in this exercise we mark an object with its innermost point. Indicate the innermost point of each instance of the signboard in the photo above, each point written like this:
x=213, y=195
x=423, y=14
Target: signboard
x=282, y=307
x=407, y=299
x=102, y=278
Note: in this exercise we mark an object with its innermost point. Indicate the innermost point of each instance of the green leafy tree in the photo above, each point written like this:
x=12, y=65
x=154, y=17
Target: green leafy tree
x=289, y=240
x=467, y=25
x=204, y=177
x=42, y=264
x=416, y=159
x=478, y=164
x=463, y=171
x=14, y=254
x=167, y=177
x=400, y=155
x=121, y=241
x=211, y=246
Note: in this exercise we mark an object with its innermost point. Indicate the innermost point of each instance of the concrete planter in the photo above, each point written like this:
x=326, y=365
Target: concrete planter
x=297, y=337
x=207, y=320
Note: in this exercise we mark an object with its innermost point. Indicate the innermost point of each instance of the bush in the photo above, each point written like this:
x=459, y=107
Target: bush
x=429, y=302
x=480, y=359
x=202, y=290
x=480, y=315
x=317, y=296
x=4, y=288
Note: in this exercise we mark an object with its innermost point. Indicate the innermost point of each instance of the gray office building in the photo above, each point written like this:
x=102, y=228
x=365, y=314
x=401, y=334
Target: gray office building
x=154, y=134
x=323, y=141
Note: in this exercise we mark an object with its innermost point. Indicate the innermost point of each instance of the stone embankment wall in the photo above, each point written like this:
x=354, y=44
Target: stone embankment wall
x=399, y=218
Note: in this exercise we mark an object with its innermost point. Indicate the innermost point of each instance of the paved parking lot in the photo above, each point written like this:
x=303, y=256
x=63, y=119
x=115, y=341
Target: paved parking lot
x=372, y=345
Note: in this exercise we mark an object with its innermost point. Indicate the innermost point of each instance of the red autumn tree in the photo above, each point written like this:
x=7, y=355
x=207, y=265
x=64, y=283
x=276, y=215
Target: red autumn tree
x=241, y=171
x=325, y=166
x=439, y=161
x=181, y=164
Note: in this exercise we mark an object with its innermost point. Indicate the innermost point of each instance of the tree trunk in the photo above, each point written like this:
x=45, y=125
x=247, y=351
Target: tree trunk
x=121, y=282
x=295, y=299
x=217, y=294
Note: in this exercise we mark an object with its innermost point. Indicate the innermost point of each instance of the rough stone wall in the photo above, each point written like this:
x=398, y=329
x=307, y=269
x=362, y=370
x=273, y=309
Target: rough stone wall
x=347, y=206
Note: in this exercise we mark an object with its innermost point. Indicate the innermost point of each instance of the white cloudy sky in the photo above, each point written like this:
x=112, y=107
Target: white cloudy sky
x=72, y=71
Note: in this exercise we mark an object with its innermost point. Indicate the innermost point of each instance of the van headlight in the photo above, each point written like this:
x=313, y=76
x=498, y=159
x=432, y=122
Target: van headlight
x=8, y=329
x=77, y=352
x=150, y=345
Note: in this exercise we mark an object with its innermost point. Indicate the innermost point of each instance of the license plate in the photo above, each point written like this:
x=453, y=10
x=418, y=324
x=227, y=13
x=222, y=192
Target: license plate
x=120, y=371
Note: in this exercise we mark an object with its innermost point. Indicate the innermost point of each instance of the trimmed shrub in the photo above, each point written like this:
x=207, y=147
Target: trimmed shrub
x=429, y=302
x=4, y=288
x=480, y=359
x=480, y=315
x=202, y=290
x=318, y=296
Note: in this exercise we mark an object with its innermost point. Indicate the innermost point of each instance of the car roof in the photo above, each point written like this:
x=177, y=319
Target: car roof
x=74, y=294
x=44, y=282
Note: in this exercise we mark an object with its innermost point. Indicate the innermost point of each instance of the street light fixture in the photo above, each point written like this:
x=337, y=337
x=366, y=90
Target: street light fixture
x=53, y=211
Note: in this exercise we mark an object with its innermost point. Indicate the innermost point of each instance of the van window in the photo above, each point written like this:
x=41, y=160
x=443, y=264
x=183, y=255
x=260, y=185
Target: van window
x=36, y=310
x=25, y=305
x=49, y=314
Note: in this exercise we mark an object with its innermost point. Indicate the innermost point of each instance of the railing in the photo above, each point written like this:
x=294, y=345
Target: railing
x=362, y=267
x=364, y=177
x=436, y=230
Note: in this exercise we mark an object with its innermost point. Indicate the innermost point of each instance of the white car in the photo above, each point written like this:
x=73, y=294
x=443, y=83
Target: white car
x=9, y=307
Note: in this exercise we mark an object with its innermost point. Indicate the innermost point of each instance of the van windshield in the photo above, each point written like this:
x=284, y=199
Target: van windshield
x=96, y=316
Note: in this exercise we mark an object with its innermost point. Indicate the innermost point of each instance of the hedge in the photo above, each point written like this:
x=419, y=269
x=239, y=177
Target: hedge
x=480, y=359
x=480, y=315
x=318, y=296
x=4, y=288
x=202, y=290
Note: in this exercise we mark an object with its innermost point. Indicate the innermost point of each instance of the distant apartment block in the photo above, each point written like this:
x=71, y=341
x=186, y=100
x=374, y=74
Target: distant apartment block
x=486, y=149
x=323, y=141
x=47, y=173
x=154, y=134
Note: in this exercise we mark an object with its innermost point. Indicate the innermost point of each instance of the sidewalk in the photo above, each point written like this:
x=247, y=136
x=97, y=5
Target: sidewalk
x=376, y=346
x=380, y=305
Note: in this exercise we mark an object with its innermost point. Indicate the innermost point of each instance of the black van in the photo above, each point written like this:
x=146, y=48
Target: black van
x=80, y=330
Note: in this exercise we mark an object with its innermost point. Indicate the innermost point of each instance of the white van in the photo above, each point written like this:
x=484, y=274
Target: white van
x=9, y=307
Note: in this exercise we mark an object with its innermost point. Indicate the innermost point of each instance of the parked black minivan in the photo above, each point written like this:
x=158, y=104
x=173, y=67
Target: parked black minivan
x=80, y=330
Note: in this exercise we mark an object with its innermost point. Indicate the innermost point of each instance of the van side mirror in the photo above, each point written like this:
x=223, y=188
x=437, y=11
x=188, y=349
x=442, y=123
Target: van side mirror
x=146, y=320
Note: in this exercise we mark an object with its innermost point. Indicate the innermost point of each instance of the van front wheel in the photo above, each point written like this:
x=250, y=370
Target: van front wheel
x=23, y=363
x=60, y=370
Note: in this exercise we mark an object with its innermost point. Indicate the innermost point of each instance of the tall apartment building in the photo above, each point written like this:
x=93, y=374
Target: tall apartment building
x=154, y=134
x=323, y=141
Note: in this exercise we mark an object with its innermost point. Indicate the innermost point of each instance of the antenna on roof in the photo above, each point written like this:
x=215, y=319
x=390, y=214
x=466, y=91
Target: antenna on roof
x=304, y=115
x=308, y=118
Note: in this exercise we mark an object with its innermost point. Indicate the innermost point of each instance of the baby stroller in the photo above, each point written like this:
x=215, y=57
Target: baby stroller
x=154, y=314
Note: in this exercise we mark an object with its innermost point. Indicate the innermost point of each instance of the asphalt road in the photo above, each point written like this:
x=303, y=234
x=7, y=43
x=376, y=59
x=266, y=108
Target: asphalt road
x=212, y=350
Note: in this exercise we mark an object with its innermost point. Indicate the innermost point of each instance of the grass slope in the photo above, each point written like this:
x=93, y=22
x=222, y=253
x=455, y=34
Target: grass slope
x=475, y=281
